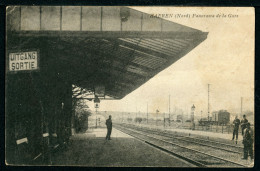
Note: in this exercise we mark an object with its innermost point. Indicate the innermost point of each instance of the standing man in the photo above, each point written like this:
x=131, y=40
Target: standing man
x=244, y=122
x=109, y=127
x=236, y=124
x=248, y=142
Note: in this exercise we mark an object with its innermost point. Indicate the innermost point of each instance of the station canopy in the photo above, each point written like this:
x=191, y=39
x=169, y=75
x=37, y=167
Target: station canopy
x=117, y=48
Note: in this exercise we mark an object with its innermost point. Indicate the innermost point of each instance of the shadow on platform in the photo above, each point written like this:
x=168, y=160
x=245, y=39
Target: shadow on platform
x=91, y=149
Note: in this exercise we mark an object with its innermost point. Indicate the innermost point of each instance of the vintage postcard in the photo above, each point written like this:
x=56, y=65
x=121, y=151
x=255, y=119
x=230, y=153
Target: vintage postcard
x=118, y=86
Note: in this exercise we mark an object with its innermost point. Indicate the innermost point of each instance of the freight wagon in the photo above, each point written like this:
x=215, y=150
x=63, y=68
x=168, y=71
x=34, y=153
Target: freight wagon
x=221, y=117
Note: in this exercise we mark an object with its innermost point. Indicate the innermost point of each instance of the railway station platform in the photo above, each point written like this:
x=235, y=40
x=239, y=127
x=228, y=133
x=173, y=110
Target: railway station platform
x=215, y=136
x=211, y=135
x=91, y=149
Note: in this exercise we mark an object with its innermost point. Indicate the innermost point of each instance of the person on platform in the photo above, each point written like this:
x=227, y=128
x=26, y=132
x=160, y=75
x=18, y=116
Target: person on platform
x=244, y=122
x=236, y=123
x=248, y=142
x=109, y=127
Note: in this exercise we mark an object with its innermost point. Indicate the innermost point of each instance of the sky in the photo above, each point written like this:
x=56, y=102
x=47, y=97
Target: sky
x=225, y=60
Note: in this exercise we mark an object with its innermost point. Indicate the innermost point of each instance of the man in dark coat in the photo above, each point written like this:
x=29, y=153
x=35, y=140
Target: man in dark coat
x=248, y=142
x=244, y=122
x=109, y=127
x=236, y=123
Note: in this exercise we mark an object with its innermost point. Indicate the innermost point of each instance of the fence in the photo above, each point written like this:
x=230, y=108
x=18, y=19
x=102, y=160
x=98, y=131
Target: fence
x=225, y=129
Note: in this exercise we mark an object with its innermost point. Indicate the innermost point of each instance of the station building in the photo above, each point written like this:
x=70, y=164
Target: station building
x=51, y=48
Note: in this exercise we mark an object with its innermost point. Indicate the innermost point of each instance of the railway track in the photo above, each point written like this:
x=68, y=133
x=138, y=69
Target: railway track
x=187, y=153
x=208, y=143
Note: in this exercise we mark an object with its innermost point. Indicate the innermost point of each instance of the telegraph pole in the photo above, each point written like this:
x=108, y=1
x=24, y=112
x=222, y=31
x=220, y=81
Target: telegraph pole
x=182, y=116
x=147, y=114
x=164, y=119
x=135, y=114
x=208, y=102
x=96, y=117
x=157, y=111
x=169, y=110
x=175, y=112
x=241, y=107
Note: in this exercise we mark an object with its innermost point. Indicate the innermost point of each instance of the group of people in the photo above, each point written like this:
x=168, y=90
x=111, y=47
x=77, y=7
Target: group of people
x=247, y=134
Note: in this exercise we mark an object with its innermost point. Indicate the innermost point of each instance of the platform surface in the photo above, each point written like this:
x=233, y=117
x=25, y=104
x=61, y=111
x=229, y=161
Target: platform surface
x=216, y=136
x=91, y=149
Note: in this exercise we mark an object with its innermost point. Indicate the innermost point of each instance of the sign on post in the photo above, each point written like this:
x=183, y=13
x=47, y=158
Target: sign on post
x=24, y=61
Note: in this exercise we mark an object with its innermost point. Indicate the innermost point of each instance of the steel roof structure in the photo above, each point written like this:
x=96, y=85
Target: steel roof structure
x=124, y=50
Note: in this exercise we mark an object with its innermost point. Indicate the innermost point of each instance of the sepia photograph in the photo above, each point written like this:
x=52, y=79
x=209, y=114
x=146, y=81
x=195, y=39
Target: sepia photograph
x=130, y=86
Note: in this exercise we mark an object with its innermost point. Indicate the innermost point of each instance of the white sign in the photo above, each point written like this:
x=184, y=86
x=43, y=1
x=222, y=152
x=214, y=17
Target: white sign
x=23, y=61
